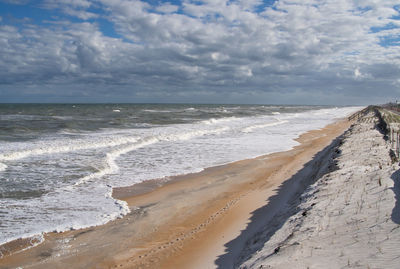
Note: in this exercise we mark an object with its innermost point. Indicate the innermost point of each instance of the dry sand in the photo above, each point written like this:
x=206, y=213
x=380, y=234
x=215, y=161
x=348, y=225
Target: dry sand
x=194, y=221
x=349, y=218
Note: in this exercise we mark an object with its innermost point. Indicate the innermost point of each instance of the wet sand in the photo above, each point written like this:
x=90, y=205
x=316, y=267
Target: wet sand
x=182, y=223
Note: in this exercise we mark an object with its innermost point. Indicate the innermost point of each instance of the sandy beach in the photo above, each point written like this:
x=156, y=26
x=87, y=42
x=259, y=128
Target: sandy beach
x=349, y=218
x=192, y=221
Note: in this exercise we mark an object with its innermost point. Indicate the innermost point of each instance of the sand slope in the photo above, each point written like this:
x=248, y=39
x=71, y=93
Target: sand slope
x=349, y=218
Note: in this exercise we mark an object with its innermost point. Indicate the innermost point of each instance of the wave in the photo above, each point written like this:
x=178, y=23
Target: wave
x=122, y=205
x=259, y=126
x=215, y=121
x=66, y=146
x=192, y=134
x=3, y=167
x=156, y=111
x=62, y=117
x=110, y=161
x=111, y=165
x=23, y=117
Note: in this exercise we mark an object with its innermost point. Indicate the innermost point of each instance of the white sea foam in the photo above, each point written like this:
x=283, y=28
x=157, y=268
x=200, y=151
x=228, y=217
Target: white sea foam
x=62, y=146
x=192, y=134
x=111, y=166
x=260, y=126
x=222, y=120
x=122, y=205
x=3, y=167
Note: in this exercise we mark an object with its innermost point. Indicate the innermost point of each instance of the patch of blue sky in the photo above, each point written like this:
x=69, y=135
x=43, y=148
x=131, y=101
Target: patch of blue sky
x=34, y=13
x=269, y=4
x=264, y=5
x=396, y=17
x=20, y=14
x=259, y=8
x=156, y=3
x=388, y=26
x=390, y=41
x=161, y=2
x=362, y=10
x=107, y=28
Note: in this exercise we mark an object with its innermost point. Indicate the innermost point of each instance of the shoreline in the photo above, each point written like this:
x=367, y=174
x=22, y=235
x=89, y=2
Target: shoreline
x=180, y=213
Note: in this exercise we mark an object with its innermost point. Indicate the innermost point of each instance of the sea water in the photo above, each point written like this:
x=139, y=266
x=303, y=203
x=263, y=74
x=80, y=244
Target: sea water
x=59, y=163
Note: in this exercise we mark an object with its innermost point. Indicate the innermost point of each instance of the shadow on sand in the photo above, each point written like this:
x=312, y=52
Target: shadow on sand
x=279, y=207
x=396, y=189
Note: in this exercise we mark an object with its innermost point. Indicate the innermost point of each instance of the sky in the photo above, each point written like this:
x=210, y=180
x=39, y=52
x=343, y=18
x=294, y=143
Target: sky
x=327, y=52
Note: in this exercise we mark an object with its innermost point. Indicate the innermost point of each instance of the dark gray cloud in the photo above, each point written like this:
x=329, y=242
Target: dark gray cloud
x=215, y=51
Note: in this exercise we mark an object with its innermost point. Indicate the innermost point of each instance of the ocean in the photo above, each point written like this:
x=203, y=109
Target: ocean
x=59, y=162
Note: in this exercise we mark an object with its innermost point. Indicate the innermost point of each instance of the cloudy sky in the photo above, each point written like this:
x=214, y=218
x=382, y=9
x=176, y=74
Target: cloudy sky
x=200, y=51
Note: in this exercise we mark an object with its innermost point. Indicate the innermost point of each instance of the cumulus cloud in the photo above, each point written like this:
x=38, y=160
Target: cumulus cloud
x=75, y=8
x=167, y=8
x=288, y=51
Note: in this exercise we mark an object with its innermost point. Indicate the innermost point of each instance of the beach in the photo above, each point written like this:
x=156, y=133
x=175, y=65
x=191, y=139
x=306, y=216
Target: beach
x=198, y=220
x=199, y=134
x=349, y=218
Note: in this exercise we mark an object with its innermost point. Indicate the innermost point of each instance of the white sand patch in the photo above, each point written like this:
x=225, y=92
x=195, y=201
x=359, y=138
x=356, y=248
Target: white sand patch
x=350, y=218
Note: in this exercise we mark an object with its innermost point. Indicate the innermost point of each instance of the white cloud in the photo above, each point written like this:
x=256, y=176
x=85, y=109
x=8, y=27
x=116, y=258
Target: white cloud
x=81, y=14
x=213, y=46
x=75, y=8
x=357, y=73
x=167, y=8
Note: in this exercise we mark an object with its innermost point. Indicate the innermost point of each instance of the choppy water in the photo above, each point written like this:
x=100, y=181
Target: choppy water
x=58, y=163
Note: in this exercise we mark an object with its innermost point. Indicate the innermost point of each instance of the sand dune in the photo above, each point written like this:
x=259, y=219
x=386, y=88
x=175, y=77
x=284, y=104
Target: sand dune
x=349, y=218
